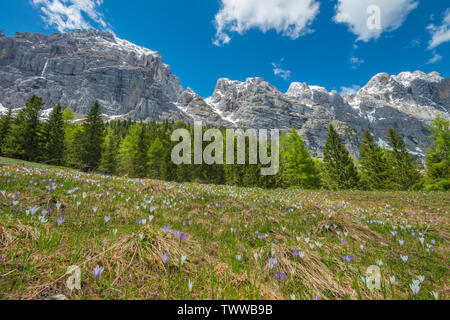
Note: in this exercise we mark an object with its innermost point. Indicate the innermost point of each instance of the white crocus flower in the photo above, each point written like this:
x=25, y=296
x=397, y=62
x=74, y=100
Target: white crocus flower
x=415, y=288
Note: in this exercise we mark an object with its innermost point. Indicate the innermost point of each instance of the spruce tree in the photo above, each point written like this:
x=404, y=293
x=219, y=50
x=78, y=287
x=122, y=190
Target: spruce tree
x=404, y=173
x=54, y=138
x=24, y=142
x=5, y=126
x=339, y=170
x=94, y=129
x=374, y=165
x=438, y=158
x=300, y=169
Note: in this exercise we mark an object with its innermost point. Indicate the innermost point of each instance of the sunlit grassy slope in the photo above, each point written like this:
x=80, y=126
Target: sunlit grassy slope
x=154, y=238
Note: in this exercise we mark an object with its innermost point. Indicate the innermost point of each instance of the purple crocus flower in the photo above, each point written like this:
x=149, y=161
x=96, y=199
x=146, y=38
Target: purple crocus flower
x=281, y=276
x=183, y=237
x=295, y=252
x=343, y=241
x=107, y=219
x=1, y=257
x=165, y=257
x=97, y=272
x=347, y=258
x=60, y=221
x=176, y=234
x=316, y=298
x=272, y=262
x=167, y=229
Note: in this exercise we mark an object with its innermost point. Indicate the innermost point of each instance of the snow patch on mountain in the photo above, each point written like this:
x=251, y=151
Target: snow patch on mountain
x=45, y=114
x=215, y=108
x=3, y=110
x=406, y=78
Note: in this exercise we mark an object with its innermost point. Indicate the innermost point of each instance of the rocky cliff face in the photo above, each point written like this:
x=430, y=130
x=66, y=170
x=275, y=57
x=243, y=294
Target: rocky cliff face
x=408, y=102
x=79, y=67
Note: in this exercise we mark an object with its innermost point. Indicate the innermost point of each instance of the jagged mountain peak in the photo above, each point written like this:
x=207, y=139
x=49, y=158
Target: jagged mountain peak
x=130, y=81
x=225, y=85
x=404, y=79
x=81, y=66
x=299, y=89
x=416, y=93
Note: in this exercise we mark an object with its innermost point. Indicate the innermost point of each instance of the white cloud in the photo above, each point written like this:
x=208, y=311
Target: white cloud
x=350, y=90
x=435, y=58
x=356, y=62
x=368, y=19
x=440, y=34
x=291, y=18
x=67, y=15
x=282, y=73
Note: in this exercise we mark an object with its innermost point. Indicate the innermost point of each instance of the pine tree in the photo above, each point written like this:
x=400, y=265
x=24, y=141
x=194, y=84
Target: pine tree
x=110, y=157
x=93, y=138
x=438, y=159
x=374, y=166
x=5, y=126
x=156, y=159
x=54, y=134
x=300, y=169
x=24, y=142
x=404, y=173
x=339, y=170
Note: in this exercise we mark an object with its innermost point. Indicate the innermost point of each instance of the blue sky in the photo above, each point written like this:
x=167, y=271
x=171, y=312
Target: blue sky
x=326, y=43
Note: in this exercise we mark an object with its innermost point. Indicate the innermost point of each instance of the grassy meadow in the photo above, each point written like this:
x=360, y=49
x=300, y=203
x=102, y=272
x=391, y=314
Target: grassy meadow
x=162, y=240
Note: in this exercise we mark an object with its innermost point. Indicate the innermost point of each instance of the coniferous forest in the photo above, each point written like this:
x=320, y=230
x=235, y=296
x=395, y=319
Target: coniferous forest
x=143, y=150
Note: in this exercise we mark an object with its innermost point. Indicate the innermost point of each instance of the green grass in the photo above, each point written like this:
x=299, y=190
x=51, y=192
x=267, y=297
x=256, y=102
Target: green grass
x=13, y=162
x=221, y=263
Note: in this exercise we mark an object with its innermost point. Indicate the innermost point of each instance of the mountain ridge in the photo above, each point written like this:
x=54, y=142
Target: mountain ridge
x=130, y=81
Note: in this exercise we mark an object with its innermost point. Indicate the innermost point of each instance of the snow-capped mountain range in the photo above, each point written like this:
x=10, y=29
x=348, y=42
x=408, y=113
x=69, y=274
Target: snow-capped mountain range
x=79, y=67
